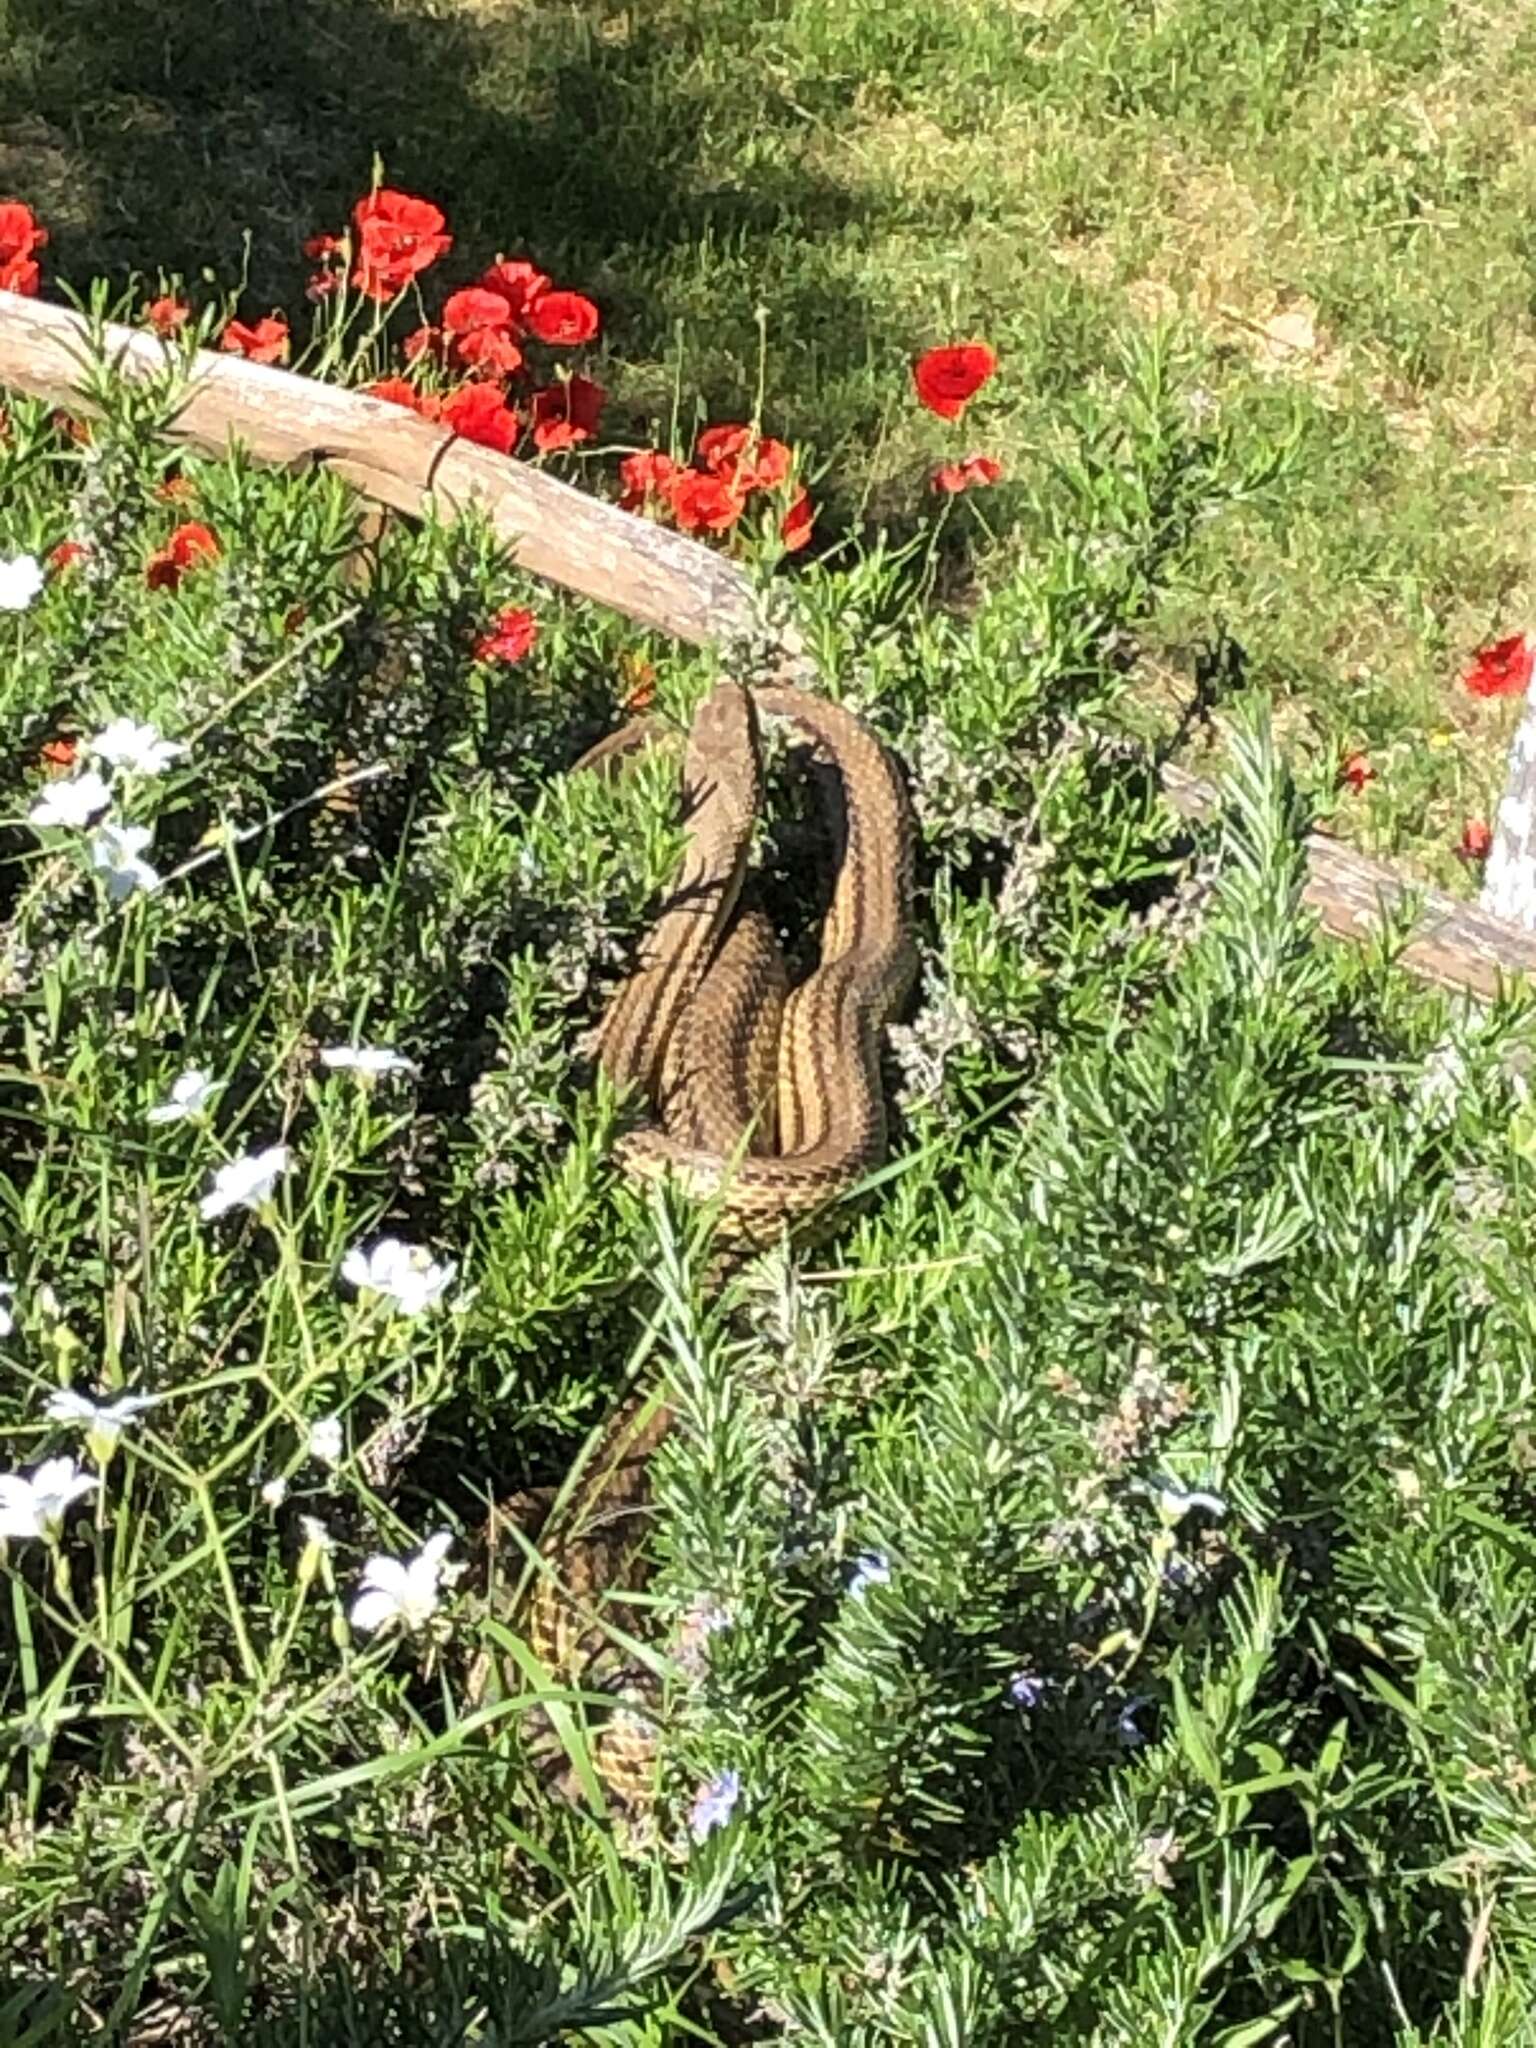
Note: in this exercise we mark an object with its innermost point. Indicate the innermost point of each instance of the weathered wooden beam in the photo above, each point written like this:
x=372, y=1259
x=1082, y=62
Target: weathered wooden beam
x=1453, y=944
x=659, y=578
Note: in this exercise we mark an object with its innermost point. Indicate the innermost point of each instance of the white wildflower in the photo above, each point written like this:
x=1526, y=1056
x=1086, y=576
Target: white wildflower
x=37, y=1506
x=366, y=1059
x=315, y=1532
x=407, y=1273
x=104, y=1421
x=72, y=804
x=138, y=748
x=115, y=855
x=7, y=1296
x=1174, y=1502
x=401, y=1591
x=245, y=1183
x=21, y=582
x=190, y=1095
x=325, y=1440
x=275, y=1492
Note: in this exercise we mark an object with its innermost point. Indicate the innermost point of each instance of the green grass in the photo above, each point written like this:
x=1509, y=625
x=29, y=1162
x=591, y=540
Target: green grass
x=1180, y=1369
x=879, y=178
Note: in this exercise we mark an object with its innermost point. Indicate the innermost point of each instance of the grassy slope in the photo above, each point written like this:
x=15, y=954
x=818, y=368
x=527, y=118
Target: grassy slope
x=877, y=178
x=1229, y=1189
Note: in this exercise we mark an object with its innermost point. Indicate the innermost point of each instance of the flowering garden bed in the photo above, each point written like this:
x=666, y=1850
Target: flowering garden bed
x=1093, y=1589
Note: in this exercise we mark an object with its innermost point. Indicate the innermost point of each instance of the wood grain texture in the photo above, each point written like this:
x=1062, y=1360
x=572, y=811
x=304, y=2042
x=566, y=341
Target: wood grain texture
x=659, y=578
x=1456, y=945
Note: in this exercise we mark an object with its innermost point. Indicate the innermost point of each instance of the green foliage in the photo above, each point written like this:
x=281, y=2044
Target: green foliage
x=1102, y=1573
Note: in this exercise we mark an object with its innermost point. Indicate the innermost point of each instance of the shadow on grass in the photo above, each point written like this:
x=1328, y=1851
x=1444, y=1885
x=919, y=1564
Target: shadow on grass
x=151, y=135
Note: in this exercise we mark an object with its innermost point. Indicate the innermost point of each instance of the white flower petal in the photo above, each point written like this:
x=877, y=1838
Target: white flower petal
x=325, y=1440
x=245, y=1183
x=370, y=1611
x=59, y=1479
x=386, y=1575
x=68, y=1406
x=190, y=1095
x=366, y=1059
x=115, y=851
x=408, y=1274
x=139, y=748
x=71, y=805
x=21, y=582
x=18, y=1507
x=34, y=1506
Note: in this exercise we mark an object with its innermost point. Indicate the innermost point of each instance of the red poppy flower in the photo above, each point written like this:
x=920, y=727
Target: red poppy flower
x=1476, y=839
x=1356, y=771
x=398, y=237
x=19, y=230
x=21, y=276
x=322, y=284
x=490, y=350
x=564, y=318
x=647, y=475
x=566, y=413
x=520, y=284
x=756, y=462
x=66, y=554
x=167, y=314
x=1504, y=669
x=19, y=236
x=947, y=379
x=59, y=755
x=479, y=413
x=704, y=503
x=964, y=476
x=473, y=308
x=266, y=342
x=187, y=546
x=421, y=341
x=795, y=530
x=318, y=247
x=175, y=490
x=512, y=633
x=400, y=391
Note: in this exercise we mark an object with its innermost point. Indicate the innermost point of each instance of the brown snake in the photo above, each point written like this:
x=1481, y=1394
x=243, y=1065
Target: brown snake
x=764, y=1099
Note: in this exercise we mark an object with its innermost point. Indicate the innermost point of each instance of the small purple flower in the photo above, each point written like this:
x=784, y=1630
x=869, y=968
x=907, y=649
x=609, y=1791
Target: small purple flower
x=1028, y=1690
x=1127, y=1732
x=870, y=1568
x=713, y=1805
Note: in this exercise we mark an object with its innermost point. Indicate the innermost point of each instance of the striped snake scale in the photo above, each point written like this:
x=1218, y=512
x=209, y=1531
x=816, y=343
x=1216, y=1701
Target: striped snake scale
x=761, y=1098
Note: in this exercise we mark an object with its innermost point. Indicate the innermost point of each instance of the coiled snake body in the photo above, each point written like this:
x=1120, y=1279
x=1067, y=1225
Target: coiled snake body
x=765, y=1099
